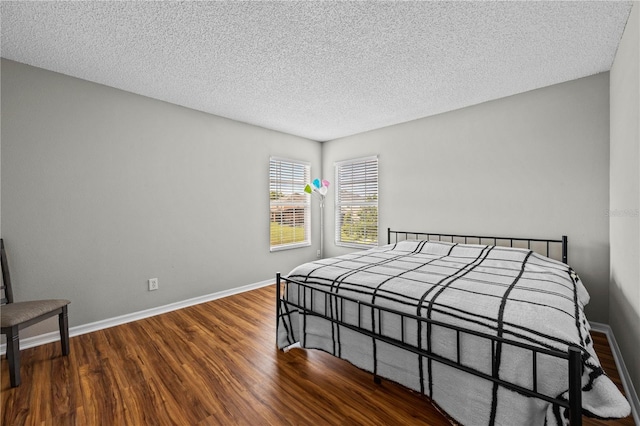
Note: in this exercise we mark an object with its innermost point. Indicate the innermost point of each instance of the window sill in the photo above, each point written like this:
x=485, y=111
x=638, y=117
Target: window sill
x=289, y=246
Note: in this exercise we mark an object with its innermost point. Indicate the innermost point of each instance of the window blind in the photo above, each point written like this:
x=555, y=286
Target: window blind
x=289, y=205
x=357, y=202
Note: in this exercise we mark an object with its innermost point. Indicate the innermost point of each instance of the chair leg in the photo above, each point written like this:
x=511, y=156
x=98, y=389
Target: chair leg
x=63, y=321
x=13, y=356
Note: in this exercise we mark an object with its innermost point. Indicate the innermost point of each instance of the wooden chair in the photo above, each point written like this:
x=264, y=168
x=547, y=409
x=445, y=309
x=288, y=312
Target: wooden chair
x=15, y=316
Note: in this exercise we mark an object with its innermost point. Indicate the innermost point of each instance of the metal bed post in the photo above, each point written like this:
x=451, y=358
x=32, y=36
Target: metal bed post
x=575, y=386
x=388, y=235
x=564, y=248
x=277, y=305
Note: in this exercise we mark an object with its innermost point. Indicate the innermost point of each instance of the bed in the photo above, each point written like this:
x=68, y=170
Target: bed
x=491, y=329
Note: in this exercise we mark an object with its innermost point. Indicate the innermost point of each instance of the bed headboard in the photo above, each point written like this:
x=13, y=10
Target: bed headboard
x=555, y=249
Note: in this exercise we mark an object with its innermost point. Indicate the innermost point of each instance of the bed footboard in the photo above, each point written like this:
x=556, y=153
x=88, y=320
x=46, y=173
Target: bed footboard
x=308, y=298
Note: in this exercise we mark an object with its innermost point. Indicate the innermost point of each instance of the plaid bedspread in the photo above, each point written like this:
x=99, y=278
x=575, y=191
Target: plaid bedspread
x=513, y=293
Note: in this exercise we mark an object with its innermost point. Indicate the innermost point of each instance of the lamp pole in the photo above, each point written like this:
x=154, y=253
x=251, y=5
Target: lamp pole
x=322, y=227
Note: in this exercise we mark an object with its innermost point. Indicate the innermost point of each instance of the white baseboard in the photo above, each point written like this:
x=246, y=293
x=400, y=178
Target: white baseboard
x=54, y=336
x=627, y=384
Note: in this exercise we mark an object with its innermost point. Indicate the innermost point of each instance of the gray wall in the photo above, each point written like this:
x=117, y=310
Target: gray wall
x=103, y=189
x=624, y=289
x=534, y=164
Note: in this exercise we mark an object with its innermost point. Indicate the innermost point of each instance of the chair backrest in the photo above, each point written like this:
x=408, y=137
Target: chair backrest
x=5, y=289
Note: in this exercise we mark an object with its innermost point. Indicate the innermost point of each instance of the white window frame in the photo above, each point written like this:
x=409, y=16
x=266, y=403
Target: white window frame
x=364, y=168
x=291, y=183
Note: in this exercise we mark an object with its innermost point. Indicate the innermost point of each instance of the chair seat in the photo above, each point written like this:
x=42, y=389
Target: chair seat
x=19, y=312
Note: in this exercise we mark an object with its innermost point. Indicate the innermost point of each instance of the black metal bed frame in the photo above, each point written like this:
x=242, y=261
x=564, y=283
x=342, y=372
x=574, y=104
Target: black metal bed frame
x=307, y=296
x=479, y=240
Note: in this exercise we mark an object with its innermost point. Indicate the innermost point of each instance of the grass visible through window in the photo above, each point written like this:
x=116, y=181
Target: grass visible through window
x=284, y=234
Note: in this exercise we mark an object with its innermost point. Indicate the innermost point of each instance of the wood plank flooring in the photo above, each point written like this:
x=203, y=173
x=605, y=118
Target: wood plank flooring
x=209, y=364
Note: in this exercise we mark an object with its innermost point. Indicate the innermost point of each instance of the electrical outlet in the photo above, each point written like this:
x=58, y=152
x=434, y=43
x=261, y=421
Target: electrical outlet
x=318, y=254
x=153, y=284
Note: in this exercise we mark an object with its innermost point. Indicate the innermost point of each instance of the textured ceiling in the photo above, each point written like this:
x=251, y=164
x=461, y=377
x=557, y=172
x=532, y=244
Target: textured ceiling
x=321, y=70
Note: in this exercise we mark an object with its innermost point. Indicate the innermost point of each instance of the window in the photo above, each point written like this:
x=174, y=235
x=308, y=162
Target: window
x=289, y=205
x=357, y=202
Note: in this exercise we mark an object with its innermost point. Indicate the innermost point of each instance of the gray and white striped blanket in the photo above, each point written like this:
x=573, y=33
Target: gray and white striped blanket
x=513, y=293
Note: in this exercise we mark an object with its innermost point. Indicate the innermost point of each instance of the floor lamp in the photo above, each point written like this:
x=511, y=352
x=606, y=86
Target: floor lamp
x=319, y=188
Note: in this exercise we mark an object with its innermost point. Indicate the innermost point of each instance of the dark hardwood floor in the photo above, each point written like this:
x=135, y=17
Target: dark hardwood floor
x=213, y=363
